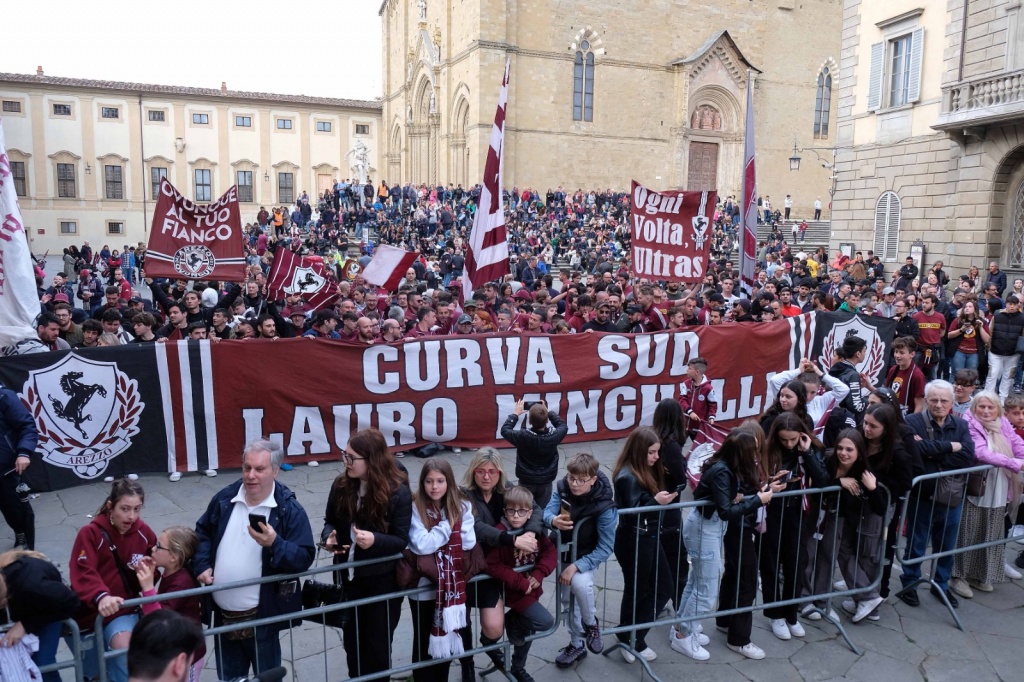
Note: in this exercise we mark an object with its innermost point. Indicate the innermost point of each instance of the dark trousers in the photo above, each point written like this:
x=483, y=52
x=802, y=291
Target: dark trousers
x=779, y=547
x=817, y=214
x=534, y=619
x=646, y=581
x=371, y=630
x=678, y=561
x=739, y=581
x=892, y=539
x=260, y=652
x=787, y=212
x=422, y=621
x=541, y=492
x=18, y=515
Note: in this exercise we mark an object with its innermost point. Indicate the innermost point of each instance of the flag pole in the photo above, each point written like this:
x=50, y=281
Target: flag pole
x=748, y=235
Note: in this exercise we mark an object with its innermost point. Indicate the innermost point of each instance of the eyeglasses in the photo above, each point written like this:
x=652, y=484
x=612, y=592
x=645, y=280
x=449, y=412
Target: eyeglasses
x=577, y=481
x=166, y=549
x=486, y=473
x=516, y=512
x=349, y=458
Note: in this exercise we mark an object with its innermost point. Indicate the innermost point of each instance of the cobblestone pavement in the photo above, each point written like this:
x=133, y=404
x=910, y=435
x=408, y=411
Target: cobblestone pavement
x=906, y=644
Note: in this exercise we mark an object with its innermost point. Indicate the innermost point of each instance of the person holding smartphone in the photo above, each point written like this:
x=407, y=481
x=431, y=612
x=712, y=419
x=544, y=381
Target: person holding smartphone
x=369, y=511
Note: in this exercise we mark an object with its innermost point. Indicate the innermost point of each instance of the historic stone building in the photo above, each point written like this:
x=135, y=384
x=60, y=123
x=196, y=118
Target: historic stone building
x=931, y=131
x=602, y=92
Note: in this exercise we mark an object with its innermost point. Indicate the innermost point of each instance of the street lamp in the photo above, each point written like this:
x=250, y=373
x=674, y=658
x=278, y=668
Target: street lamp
x=794, y=161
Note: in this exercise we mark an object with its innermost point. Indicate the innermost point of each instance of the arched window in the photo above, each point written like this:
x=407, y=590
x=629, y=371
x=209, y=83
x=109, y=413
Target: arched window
x=822, y=104
x=583, y=83
x=887, y=226
x=1017, y=230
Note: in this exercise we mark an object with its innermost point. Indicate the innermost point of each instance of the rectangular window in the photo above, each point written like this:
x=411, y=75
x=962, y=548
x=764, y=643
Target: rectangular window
x=66, y=180
x=61, y=109
x=68, y=227
x=157, y=116
x=899, y=71
x=110, y=112
x=114, y=180
x=155, y=176
x=323, y=126
x=284, y=124
x=12, y=107
x=18, y=173
x=204, y=185
x=362, y=129
x=115, y=228
x=285, y=188
x=243, y=121
x=244, y=182
x=201, y=119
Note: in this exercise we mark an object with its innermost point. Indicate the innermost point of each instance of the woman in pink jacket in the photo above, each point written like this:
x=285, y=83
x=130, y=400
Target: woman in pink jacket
x=995, y=443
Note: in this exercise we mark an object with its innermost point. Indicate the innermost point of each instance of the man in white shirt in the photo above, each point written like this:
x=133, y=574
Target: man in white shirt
x=231, y=550
x=817, y=208
x=787, y=205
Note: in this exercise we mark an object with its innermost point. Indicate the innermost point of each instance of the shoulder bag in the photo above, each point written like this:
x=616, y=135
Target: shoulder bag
x=949, y=490
x=316, y=593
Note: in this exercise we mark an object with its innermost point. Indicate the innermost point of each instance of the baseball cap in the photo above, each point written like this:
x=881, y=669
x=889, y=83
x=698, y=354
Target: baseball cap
x=634, y=309
x=604, y=304
x=135, y=299
x=743, y=303
x=470, y=302
x=465, y=319
x=888, y=290
x=60, y=298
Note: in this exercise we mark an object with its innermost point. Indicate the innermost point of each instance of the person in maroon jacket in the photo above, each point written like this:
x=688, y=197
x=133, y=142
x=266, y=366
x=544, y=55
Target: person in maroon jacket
x=526, y=615
x=697, y=396
x=653, y=319
x=104, y=557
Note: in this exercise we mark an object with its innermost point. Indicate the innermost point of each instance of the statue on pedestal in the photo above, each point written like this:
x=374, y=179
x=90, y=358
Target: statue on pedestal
x=360, y=164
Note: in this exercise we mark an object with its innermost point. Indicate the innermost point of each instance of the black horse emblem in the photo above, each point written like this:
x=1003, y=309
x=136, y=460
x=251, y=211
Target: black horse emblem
x=195, y=260
x=310, y=282
x=79, y=396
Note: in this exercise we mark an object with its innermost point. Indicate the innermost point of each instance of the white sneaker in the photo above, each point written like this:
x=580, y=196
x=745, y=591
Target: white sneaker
x=457, y=451
x=780, y=628
x=210, y=472
x=648, y=654
x=796, y=629
x=839, y=585
x=865, y=608
x=314, y=463
x=1017, y=533
x=688, y=646
x=174, y=477
x=849, y=606
x=810, y=612
x=751, y=651
x=108, y=479
x=1011, y=572
x=698, y=636
x=133, y=477
x=627, y=657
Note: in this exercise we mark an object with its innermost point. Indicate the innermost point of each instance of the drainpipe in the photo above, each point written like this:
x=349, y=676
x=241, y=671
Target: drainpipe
x=142, y=165
x=963, y=41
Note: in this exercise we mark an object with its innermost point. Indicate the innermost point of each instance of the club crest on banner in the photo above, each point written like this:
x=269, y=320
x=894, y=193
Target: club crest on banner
x=86, y=413
x=194, y=261
x=305, y=280
x=874, y=355
x=700, y=230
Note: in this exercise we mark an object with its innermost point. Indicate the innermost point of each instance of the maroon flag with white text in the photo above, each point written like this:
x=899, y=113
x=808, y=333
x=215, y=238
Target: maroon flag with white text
x=670, y=233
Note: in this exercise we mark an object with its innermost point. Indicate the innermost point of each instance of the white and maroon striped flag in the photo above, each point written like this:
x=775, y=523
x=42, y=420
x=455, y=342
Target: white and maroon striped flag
x=305, y=275
x=748, y=197
x=19, y=301
x=388, y=266
x=487, y=255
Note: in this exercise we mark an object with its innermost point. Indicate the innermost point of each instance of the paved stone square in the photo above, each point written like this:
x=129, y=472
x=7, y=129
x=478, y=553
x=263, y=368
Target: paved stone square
x=907, y=644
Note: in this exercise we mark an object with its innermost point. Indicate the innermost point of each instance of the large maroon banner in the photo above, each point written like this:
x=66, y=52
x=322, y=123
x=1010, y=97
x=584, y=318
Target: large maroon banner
x=671, y=233
x=196, y=241
x=192, y=405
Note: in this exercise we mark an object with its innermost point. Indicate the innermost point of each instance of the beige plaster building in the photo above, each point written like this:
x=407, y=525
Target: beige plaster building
x=602, y=91
x=931, y=131
x=87, y=156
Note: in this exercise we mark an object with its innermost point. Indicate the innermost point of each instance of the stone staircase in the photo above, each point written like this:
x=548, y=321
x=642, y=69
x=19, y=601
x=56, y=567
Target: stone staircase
x=818, y=234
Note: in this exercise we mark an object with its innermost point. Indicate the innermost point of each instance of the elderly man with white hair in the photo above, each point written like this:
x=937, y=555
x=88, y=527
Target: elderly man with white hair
x=944, y=443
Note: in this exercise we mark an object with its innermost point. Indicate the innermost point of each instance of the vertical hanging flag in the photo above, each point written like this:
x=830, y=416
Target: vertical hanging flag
x=487, y=255
x=308, y=276
x=748, y=244
x=19, y=301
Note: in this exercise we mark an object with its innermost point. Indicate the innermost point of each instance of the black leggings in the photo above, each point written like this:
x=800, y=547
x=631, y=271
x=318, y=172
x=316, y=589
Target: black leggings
x=739, y=581
x=646, y=581
x=779, y=546
x=371, y=629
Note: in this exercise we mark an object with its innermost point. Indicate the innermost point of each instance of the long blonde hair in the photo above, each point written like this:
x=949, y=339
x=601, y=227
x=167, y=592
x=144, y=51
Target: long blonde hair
x=485, y=455
x=993, y=429
x=8, y=558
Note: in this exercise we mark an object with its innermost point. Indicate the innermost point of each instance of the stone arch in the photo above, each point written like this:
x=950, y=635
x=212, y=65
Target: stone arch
x=459, y=141
x=832, y=67
x=722, y=101
x=1007, y=207
x=591, y=36
x=424, y=131
x=394, y=158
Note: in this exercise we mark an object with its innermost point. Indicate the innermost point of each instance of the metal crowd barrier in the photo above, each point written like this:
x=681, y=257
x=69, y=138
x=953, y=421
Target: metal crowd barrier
x=72, y=636
x=295, y=618
x=803, y=527
x=916, y=502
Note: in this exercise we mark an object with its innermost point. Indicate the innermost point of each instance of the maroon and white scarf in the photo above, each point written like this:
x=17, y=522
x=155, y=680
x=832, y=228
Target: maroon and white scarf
x=450, y=604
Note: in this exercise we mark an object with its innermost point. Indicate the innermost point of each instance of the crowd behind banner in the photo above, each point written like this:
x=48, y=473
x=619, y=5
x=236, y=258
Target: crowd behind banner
x=569, y=274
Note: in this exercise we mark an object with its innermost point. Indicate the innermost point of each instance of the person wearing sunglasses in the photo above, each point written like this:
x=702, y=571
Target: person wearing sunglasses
x=485, y=485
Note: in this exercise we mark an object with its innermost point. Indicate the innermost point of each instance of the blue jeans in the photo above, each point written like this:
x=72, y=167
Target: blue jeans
x=49, y=640
x=703, y=539
x=117, y=668
x=927, y=519
x=260, y=652
x=963, y=361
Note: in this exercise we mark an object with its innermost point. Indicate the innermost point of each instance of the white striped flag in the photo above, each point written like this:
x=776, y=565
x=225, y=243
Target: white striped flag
x=388, y=267
x=748, y=197
x=19, y=301
x=487, y=254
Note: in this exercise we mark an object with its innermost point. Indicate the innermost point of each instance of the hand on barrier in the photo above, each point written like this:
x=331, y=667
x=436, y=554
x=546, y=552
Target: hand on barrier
x=868, y=479
x=110, y=605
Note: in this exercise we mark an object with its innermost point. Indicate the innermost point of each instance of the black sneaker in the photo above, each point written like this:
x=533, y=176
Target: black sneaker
x=953, y=601
x=521, y=675
x=910, y=598
x=592, y=636
x=497, y=657
x=19, y=540
x=569, y=656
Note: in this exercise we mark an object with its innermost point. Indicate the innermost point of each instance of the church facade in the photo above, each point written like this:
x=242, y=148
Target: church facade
x=602, y=92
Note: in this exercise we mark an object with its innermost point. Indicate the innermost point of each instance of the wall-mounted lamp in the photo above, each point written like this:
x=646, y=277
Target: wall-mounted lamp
x=88, y=168
x=266, y=176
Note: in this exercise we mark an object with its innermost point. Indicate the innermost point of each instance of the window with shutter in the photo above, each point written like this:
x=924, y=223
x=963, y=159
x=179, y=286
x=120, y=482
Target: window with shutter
x=1017, y=229
x=914, y=75
x=875, y=79
x=887, y=226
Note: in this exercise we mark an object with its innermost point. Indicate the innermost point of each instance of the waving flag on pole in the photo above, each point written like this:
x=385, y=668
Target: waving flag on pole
x=19, y=301
x=748, y=197
x=487, y=255
x=308, y=276
x=388, y=267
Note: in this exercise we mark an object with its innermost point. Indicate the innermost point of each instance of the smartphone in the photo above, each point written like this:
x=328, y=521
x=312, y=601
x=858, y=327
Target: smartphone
x=255, y=520
x=566, y=508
